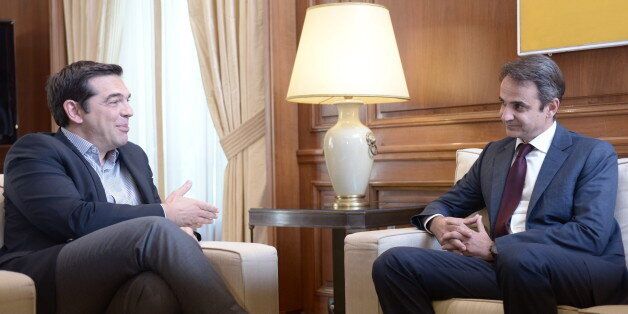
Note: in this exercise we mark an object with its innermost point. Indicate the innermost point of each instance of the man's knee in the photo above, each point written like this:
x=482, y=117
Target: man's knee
x=152, y=222
x=147, y=227
x=395, y=259
x=144, y=293
x=387, y=260
x=521, y=260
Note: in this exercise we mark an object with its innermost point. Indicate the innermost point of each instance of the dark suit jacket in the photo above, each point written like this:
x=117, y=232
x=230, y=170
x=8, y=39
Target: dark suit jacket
x=571, y=205
x=53, y=196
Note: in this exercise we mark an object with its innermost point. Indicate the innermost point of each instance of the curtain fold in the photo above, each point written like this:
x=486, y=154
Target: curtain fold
x=93, y=29
x=231, y=38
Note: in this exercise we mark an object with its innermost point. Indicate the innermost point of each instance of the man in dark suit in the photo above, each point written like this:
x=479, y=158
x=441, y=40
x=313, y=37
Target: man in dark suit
x=550, y=196
x=83, y=217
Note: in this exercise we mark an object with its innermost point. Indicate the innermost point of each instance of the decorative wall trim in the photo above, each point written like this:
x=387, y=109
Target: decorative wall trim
x=318, y=187
x=321, y=186
x=433, y=151
x=620, y=144
x=404, y=185
x=592, y=106
x=376, y=188
x=575, y=107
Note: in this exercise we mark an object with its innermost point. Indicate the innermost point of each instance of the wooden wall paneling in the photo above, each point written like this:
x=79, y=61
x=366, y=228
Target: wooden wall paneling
x=594, y=72
x=315, y=252
x=317, y=282
x=323, y=193
x=32, y=64
x=314, y=293
x=58, y=51
x=310, y=248
x=284, y=143
x=409, y=191
x=451, y=51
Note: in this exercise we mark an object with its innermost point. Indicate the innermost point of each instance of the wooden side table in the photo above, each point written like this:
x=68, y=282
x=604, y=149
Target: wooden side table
x=340, y=221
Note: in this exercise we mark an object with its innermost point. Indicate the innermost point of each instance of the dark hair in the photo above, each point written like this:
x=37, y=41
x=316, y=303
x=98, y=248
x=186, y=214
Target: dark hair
x=72, y=83
x=540, y=70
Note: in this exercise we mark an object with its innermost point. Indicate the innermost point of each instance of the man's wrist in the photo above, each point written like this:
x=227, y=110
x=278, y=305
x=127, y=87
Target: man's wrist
x=493, y=251
x=427, y=224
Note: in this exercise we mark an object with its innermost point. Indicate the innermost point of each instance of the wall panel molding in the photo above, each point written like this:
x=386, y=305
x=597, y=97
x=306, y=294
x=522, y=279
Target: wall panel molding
x=380, y=117
x=434, y=151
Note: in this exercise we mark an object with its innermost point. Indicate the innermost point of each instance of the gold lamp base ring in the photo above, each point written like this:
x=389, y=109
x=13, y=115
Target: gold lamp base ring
x=350, y=202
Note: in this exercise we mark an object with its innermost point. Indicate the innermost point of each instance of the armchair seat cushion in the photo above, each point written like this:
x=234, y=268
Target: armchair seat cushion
x=480, y=306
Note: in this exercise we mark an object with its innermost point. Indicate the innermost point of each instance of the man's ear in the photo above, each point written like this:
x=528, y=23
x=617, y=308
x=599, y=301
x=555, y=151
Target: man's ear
x=74, y=111
x=552, y=107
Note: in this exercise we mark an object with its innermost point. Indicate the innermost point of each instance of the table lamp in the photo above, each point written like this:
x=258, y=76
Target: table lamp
x=348, y=56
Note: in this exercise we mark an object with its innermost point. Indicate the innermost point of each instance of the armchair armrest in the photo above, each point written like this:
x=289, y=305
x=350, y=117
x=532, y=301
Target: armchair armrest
x=361, y=250
x=250, y=271
x=17, y=293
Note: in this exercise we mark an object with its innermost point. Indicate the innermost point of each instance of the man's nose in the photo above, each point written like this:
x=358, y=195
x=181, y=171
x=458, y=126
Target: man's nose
x=127, y=110
x=506, y=114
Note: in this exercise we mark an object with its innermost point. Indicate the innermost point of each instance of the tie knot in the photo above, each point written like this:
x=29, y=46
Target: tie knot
x=524, y=149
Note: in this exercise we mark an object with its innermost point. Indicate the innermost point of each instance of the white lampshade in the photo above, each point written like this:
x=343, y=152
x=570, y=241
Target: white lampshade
x=347, y=50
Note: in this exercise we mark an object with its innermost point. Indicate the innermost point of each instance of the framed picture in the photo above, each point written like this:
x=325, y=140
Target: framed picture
x=567, y=25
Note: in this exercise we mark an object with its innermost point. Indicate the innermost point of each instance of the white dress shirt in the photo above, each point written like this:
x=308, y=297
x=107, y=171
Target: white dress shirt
x=118, y=183
x=534, y=161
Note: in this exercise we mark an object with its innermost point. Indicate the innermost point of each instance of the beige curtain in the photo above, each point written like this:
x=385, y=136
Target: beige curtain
x=93, y=29
x=233, y=48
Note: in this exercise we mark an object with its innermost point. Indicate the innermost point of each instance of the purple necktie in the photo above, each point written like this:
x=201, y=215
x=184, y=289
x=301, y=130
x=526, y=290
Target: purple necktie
x=512, y=190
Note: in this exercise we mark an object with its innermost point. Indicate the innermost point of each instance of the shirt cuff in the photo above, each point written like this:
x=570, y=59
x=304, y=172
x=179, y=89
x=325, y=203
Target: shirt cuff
x=426, y=220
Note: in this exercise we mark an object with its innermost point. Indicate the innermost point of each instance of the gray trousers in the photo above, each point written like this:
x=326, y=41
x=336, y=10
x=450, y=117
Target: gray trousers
x=143, y=265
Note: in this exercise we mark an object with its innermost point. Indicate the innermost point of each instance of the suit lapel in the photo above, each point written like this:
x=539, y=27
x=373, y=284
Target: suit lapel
x=139, y=176
x=500, y=167
x=554, y=159
x=100, y=190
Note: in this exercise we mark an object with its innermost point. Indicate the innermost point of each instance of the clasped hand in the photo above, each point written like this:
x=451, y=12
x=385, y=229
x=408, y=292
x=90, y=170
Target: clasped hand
x=187, y=212
x=455, y=235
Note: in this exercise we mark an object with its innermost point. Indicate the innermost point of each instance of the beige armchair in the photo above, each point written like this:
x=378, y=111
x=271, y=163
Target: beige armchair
x=362, y=248
x=250, y=270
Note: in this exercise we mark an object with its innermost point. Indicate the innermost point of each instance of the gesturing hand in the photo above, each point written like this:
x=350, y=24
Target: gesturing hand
x=187, y=212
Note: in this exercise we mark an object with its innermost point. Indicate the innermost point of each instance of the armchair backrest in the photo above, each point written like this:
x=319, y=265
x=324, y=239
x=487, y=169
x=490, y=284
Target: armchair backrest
x=466, y=157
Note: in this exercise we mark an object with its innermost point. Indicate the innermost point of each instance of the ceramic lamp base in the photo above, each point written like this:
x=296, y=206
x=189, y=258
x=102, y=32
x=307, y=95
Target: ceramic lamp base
x=349, y=148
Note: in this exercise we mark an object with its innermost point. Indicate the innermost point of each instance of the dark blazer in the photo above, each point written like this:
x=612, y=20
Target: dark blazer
x=572, y=202
x=53, y=196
